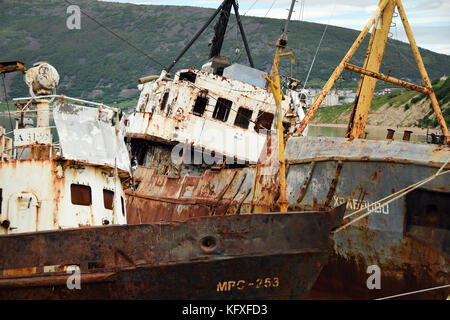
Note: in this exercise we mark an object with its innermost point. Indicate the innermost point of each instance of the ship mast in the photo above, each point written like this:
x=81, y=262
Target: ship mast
x=275, y=86
x=379, y=23
x=219, y=33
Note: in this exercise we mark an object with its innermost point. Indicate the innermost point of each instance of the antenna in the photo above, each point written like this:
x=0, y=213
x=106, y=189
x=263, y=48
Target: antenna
x=289, y=16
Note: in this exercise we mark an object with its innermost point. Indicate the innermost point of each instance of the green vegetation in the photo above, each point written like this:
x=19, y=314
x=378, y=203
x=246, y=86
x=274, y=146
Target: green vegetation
x=399, y=98
x=126, y=105
x=4, y=106
x=95, y=65
x=331, y=114
x=442, y=91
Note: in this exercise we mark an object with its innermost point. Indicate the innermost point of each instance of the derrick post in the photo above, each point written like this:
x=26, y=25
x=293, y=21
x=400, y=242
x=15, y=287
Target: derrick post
x=372, y=63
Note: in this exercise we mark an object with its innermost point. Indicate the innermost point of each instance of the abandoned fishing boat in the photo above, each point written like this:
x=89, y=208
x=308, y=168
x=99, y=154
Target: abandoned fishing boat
x=64, y=231
x=203, y=140
x=397, y=192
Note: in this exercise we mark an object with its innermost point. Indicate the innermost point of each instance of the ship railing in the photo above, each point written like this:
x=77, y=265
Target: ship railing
x=65, y=98
x=11, y=151
x=46, y=136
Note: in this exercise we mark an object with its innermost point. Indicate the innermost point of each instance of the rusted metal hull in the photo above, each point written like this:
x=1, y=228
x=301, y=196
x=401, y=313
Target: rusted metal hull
x=327, y=172
x=411, y=253
x=407, y=265
x=259, y=256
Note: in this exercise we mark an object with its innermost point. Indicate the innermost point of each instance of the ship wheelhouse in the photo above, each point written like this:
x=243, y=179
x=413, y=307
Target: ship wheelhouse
x=69, y=171
x=229, y=115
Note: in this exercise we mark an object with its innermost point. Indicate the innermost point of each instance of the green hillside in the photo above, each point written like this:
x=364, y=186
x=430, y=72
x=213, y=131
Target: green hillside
x=95, y=65
x=401, y=107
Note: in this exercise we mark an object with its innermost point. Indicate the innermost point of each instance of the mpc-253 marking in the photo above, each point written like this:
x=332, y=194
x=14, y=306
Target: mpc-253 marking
x=240, y=285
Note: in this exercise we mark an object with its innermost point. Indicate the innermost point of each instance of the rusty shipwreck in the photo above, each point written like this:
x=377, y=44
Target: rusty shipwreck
x=66, y=232
x=205, y=140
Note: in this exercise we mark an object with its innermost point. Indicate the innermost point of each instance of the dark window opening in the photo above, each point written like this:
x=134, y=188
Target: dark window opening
x=164, y=100
x=303, y=98
x=80, y=195
x=200, y=105
x=286, y=126
x=189, y=76
x=222, y=109
x=123, y=206
x=219, y=71
x=428, y=209
x=264, y=121
x=428, y=218
x=108, y=198
x=243, y=117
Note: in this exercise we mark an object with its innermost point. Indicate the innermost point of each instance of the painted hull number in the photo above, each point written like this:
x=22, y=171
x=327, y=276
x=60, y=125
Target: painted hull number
x=240, y=285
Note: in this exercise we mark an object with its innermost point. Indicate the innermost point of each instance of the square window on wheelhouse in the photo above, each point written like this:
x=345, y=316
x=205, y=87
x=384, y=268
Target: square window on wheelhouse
x=200, y=105
x=188, y=76
x=80, y=194
x=222, y=109
x=264, y=121
x=164, y=100
x=243, y=117
x=108, y=197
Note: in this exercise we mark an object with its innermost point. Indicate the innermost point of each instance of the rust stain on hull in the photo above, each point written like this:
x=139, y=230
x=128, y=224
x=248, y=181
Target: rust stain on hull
x=200, y=258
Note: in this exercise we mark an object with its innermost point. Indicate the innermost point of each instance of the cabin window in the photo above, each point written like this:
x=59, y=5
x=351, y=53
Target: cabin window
x=222, y=109
x=164, y=100
x=189, y=76
x=108, y=198
x=264, y=121
x=286, y=126
x=123, y=206
x=81, y=194
x=302, y=98
x=243, y=117
x=200, y=105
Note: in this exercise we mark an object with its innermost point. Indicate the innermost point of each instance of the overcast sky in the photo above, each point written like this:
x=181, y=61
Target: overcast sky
x=430, y=20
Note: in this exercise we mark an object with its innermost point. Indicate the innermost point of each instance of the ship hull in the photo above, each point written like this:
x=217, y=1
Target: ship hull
x=409, y=252
x=260, y=256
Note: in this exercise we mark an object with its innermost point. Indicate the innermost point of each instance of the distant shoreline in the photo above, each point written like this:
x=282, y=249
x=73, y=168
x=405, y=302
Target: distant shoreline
x=415, y=130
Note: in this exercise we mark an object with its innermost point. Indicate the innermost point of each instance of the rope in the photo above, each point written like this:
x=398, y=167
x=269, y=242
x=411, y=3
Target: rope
x=7, y=103
x=414, y=292
x=320, y=43
x=315, y=55
x=234, y=25
x=270, y=8
x=119, y=37
x=259, y=27
x=300, y=18
x=394, y=197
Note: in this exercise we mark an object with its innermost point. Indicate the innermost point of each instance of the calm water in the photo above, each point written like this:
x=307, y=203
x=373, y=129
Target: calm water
x=373, y=134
